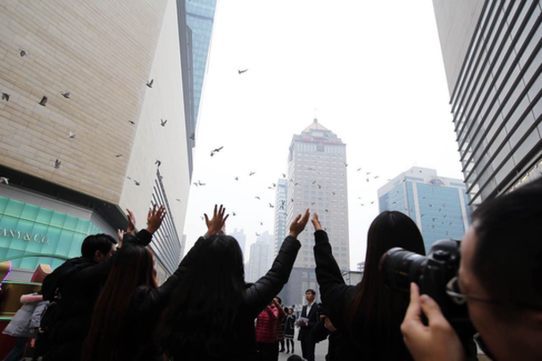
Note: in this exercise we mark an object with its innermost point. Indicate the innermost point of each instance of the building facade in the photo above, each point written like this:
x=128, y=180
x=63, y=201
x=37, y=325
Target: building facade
x=491, y=53
x=81, y=137
x=438, y=205
x=261, y=257
x=241, y=238
x=301, y=279
x=200, y=18
x=317, y=180
x=281, y=206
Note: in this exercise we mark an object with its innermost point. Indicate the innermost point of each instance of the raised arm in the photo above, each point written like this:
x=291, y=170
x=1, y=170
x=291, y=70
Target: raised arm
x=333, y=289
x=259, y=294
x=158, y=297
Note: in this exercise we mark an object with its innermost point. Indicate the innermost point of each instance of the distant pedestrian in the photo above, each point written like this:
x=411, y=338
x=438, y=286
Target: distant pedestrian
x=308, y=319
x=289, y=330
x=266, y=337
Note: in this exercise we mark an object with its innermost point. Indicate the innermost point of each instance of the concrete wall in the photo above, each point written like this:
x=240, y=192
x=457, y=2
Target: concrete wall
x=456, y=22
x=101, y=52
x=152, y=141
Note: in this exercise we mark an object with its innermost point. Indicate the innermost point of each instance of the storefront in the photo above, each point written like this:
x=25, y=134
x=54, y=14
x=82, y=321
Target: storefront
x=31, y=224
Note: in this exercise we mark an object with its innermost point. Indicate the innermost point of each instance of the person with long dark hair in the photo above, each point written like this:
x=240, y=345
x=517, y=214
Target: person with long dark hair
x=211, y=313
x=368, y=315
x=74, y=287
x=130, y=304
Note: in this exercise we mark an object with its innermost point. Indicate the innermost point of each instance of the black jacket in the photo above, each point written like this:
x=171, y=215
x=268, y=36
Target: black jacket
x=337, y=296
x=79, y=281
x=314, y=318
x=256, y=297
x=137, y=341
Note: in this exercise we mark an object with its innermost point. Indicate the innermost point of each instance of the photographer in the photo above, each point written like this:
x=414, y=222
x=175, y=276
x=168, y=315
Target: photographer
x=499, y=278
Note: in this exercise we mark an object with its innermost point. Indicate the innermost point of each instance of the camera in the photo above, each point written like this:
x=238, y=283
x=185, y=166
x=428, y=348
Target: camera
x=431, y=273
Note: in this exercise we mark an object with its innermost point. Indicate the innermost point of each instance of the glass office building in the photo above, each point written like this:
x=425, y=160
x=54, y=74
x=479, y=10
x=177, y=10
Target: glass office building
x=492, y=59
x=439, y=206
x=200, y=17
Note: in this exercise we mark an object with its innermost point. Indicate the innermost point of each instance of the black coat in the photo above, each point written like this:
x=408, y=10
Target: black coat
x=337, y=296
x=256, y=297
x=137, y=341
x=79, y=281
x=314, y=318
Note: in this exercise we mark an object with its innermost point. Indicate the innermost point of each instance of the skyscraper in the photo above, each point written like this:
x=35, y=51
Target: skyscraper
x=281, y=204
x=241, y=238
x=261, y=257
x=200, y=18
x=491, y=53
x=317, y=180
x=438, y=205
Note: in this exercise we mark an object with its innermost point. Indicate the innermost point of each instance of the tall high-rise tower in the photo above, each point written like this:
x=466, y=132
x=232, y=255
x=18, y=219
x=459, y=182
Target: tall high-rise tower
x=261, y=257
x=491, y=53
x=241, y=238
x=438, y=205
x=317, y=180
x=281, y=204
x=200, y=16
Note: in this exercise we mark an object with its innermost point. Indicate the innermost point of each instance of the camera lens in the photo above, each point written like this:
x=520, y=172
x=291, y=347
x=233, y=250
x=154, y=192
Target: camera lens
x=399, y=268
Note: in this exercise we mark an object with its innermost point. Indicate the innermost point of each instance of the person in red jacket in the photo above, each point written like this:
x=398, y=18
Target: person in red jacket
x=266, y=336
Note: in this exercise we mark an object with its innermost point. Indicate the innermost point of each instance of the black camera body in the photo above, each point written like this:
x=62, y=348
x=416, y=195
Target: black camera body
x=431, y=273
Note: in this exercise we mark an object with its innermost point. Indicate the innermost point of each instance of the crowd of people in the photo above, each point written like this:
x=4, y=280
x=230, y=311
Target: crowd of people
x=106, y=304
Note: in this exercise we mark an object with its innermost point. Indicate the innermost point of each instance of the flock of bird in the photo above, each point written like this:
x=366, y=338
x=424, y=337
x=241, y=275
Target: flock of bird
x=282, y=205
x=71, y=134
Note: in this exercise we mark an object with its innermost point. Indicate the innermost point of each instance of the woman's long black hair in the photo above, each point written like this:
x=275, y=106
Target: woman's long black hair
x=375, y=314
x=203, y=309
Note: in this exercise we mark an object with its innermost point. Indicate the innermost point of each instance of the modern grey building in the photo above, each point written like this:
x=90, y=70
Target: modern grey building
x=261, y=257
x=438, y=205
x=492, y=59
x=200, y=18
x=301, y=279
x=317, y=180
x=241, y=238
x=281, y=204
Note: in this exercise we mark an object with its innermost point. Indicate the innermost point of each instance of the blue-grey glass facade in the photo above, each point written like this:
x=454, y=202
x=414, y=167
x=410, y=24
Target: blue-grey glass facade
x=439, y=207
x=200, y=18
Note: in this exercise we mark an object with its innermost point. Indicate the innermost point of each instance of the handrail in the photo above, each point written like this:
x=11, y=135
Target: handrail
x=47, y=255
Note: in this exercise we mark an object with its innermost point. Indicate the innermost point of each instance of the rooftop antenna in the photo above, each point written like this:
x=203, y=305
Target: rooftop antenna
x=315, y=116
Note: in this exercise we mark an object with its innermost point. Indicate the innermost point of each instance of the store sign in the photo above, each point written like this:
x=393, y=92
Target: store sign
x=29, y=237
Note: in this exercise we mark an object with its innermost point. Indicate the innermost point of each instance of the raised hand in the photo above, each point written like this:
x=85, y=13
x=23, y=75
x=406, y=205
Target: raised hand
x=316, y=222
x=299, y=223
x=218, y=222
x=120, y=235
x=155, y=218
x=131, y=222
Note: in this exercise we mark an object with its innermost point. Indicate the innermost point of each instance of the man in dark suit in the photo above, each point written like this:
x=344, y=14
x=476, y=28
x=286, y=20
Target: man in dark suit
x=309, y=318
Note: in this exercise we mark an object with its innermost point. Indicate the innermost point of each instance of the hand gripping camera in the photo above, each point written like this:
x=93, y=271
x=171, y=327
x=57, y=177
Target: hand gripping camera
x=432, y=273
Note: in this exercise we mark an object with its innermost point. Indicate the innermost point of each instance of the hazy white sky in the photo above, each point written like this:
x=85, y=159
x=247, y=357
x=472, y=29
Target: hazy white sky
x=372, y=69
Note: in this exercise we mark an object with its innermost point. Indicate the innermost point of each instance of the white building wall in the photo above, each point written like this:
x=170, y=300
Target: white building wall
x=152, y=141
x=456, y=22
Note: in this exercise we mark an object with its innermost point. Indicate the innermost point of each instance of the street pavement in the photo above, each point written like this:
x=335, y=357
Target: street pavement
x=321, y=350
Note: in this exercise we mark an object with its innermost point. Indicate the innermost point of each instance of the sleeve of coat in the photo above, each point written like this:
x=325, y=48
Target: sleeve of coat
x=333, y=289
x=36, y=315
x=259, y=294
x=157, y=298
